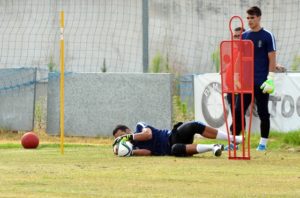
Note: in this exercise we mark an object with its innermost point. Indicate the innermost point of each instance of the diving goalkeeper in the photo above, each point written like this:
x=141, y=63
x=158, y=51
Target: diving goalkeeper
x=148, y=140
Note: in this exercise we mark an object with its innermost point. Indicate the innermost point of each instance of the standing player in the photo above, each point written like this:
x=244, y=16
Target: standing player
x=264, y=67
x=237, y=34
x=148, y=140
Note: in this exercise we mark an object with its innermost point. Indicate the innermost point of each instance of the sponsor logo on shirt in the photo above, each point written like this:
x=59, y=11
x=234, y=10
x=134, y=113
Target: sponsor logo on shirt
x=259, y=44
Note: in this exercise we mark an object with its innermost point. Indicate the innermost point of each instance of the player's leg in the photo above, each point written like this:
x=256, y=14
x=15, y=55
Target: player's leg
x=229, y=101
x=231, y=107
x=238, y=112
x=264, y=116
x=185, y=133
x=238, y=118
x=213, y=133
x=183, y=150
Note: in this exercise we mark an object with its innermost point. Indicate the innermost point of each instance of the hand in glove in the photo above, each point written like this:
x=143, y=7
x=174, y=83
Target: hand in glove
x=127, y=137
x=268, y=85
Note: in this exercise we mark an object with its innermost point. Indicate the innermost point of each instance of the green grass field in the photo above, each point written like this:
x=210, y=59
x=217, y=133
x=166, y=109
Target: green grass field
x=91, y=170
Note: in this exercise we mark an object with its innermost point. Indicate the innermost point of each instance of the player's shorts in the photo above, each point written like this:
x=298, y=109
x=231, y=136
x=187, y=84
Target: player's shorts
x=184, y=132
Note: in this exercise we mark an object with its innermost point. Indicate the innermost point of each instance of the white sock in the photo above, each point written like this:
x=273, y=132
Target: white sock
x=263, y=141
x=223, y=136
x=202, y=148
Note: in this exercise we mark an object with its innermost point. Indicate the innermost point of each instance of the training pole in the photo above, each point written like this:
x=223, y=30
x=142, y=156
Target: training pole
x=237, y=79
x=62, y=81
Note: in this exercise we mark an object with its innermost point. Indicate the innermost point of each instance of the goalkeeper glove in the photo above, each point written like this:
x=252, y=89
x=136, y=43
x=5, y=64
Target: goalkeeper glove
x=268, y=85
x=127, y=137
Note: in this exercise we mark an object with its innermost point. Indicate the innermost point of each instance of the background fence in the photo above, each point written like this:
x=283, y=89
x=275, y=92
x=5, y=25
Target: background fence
x=132, y=35
x=107, y=35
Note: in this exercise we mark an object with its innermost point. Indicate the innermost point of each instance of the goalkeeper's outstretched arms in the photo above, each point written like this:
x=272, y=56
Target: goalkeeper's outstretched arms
x=123, y=133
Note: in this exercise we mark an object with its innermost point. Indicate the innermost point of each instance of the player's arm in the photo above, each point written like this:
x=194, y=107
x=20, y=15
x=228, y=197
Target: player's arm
x=272, y=61
x=141, y=152
x=268, y=85
x=144, y=135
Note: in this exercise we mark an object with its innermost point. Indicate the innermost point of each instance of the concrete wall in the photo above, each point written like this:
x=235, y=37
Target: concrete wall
x=17, y=98
x=96, y=102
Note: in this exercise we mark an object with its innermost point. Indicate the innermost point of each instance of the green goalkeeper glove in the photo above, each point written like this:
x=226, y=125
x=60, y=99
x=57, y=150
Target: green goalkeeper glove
x=268, y=85
x=127, y=137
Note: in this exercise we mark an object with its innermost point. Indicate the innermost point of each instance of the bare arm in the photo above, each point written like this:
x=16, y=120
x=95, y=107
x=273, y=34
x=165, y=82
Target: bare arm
x=141, y=152
x=272, y=61
x=136, y=152
x=145, y=135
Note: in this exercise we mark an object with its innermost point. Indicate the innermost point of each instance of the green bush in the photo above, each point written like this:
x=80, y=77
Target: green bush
x=159, y=64
x=180, y=111
x=39, y=114
x=51, y=65
x=216, y=59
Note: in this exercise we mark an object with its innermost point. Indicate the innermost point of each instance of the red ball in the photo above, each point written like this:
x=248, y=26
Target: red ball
x=30, y=140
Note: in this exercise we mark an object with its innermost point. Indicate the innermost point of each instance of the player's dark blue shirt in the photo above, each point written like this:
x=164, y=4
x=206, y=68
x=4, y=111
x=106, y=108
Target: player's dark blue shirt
x=158, y=145
x=264, y=42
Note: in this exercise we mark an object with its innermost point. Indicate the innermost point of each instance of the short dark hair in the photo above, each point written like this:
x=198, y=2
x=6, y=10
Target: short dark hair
x=254, y=11
x=239, y=29
x=119, y=127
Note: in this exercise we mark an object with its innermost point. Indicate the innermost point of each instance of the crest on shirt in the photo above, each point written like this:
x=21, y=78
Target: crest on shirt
x=259, y=44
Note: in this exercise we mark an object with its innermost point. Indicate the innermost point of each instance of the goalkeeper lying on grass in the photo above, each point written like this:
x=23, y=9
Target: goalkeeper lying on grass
x=148, y=140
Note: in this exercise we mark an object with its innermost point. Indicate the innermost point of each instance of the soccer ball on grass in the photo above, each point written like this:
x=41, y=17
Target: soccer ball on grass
x=123, y=149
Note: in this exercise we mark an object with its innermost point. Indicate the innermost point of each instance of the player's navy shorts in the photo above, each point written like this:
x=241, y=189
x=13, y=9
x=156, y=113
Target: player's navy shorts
x=184, y=132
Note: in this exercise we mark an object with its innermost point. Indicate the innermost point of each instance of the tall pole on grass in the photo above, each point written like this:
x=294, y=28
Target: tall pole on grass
x=62, y=81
